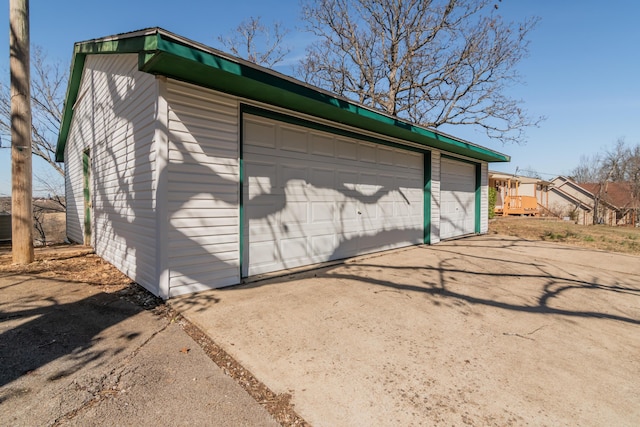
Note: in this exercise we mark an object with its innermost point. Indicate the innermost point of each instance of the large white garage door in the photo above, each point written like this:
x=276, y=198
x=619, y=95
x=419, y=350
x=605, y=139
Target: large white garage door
x=312, y=196
x=457, y=198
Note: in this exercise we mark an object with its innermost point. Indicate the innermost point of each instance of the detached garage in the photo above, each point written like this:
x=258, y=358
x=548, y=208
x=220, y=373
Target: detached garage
x=189, y=169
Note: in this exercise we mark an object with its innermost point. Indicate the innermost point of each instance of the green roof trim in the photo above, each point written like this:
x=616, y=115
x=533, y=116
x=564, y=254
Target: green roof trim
x=166, y=54
x=80, y=52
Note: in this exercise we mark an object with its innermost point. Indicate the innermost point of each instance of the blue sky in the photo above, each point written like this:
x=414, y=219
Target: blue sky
x=583, y=72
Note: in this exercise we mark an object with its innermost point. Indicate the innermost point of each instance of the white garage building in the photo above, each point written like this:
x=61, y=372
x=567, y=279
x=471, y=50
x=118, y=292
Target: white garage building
x=189, y=169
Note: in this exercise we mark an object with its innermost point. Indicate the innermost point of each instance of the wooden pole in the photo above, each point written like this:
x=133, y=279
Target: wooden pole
x=21, y=180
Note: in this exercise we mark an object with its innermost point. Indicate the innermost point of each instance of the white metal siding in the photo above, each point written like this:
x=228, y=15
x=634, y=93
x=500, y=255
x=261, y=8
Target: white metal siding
x=114, y=118
x=457, y=198
x=435, y=197
x=73, y=184
x=312, y=196
x=484, y=197
x=203, y=189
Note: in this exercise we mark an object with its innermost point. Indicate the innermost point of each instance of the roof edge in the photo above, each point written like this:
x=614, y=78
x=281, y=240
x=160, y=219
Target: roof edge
x=134, y=42
x=158, y=49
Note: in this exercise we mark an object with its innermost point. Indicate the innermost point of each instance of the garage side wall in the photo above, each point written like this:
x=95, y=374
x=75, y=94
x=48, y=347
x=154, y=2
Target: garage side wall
x=114, y=120
x=203, y=189
x=73, y=184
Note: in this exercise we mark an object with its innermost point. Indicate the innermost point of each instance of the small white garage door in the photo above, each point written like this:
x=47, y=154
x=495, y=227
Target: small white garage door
x=313, y=196
x=457, y=198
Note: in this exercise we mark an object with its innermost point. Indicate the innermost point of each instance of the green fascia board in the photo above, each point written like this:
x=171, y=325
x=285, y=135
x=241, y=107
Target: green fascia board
x=80, y=52
x=77, y=65
x=162, y=53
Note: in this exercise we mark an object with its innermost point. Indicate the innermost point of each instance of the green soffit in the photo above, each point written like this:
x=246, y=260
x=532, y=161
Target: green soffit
x=163, y=53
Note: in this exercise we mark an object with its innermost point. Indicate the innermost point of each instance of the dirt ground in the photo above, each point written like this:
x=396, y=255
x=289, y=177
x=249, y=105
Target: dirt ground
x=603, y=237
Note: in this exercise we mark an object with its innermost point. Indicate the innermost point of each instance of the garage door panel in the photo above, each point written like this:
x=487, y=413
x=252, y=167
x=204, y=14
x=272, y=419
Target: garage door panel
x=322, y=177
x=296, y=213
x=322, y=145
x=349, y=179
x=293, y=139
x=386, y=181
x=334, y=205
x=262, y=134
x=368, y=211
x=263, y=253
x=407, y=159
x=385, y=210
x=367, y=153
x=346, y=150
x=347, y=211
x=457, y=195
x=294, y=248
x=292, y=175
x=322, y=246
x=369, y=193
x=261, y=210
x=368, y=178
x=322, y=212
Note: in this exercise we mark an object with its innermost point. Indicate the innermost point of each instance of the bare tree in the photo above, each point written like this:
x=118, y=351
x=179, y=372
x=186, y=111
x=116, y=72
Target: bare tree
x=588, y=169
x=633, y=171
x=47, y=99
x=257, y=43
x=433, y=62
x=53, y=188
x=620, y=163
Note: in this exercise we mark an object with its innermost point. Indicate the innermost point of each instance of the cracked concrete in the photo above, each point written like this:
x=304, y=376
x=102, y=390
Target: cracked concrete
x=73, y=355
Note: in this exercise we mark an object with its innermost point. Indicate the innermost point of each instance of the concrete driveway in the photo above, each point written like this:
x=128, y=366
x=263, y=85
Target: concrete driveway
x=487, y=330
x=74, y=355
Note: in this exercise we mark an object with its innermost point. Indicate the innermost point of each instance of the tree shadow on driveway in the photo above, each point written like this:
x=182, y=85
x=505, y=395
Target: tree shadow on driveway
x=48, y=321
x=551, y=283
x=494, y=274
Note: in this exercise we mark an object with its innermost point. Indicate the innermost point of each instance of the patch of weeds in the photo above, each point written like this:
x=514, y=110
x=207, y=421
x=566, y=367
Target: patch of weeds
x=589, y=238
x=633, y=245
x=560, y=236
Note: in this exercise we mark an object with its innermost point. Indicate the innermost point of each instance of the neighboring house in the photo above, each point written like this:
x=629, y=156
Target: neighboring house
x=613, y=201
x=520, y=195
x=616, y=204
x=190, y=169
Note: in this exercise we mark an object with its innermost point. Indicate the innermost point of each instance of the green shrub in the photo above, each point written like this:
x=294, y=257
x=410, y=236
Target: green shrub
x=493, y=196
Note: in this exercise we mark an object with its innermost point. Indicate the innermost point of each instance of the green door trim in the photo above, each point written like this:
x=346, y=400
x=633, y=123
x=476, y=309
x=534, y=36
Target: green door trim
x=478, y=197
x=427, y=198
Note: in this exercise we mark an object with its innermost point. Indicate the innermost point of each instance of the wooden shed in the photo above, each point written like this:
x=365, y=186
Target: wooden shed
x=191, y=169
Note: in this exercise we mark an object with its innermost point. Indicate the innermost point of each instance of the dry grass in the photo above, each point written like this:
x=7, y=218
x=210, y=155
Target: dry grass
x=71, y=263
x=615, y=239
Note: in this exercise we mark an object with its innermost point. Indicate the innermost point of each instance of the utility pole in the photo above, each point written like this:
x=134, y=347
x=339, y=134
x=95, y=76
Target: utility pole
x=21, y=179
